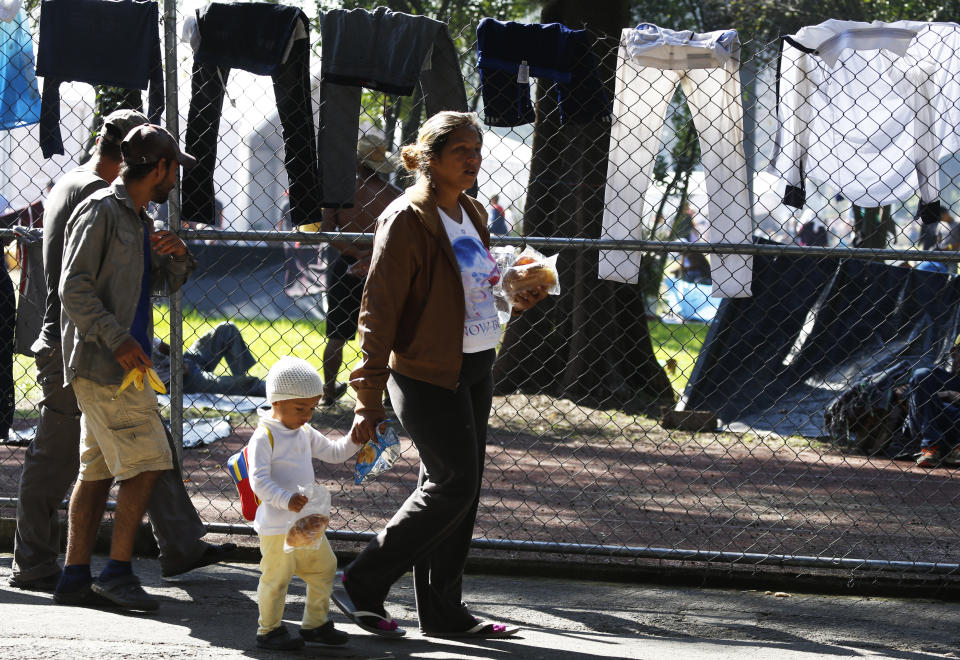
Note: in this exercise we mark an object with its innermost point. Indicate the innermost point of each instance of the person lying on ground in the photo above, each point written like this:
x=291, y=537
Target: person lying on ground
x=200, y=362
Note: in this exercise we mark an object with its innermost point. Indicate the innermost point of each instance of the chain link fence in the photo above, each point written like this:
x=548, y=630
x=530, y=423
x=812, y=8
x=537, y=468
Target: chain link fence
x=650, y=412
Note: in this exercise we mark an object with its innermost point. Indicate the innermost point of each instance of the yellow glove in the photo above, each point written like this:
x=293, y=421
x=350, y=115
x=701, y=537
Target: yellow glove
x=135, y=376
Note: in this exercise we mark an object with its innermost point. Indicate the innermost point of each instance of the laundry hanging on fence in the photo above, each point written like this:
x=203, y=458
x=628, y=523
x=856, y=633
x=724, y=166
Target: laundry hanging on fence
x=8, y=314
x=651, y=63
x=99, y=42
x=508, y=54
x=19, y=94
x=383, y=50
x=31, y=301
x=9, y=10
x=263, y=39
x=868, y=108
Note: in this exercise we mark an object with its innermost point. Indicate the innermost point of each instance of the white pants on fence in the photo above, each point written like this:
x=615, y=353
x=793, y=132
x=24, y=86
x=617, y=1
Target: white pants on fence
x=643, y=92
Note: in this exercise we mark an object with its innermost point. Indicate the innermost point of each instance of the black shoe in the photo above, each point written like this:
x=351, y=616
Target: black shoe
x=211, y=555
x=325, y=634
x=45, y=583
x=125, y=591
x=85, y=597
x=279, y=639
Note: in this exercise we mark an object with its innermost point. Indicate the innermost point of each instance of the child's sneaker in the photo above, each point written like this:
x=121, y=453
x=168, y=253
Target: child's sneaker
x=930, y=457
x=325, y=634
x=279, y=639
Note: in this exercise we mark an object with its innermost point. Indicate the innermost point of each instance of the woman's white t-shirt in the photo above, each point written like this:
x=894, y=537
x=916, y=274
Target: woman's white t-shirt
x=479, y=272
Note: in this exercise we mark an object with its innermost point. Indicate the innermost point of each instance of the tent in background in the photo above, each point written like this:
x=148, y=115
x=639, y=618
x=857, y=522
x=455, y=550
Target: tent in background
x=814, y=326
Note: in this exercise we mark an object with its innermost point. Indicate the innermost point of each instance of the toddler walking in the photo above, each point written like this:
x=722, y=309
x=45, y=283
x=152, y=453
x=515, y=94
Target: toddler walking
x=280, y=454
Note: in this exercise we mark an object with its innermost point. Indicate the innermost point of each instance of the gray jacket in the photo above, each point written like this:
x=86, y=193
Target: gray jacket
x=100, y=282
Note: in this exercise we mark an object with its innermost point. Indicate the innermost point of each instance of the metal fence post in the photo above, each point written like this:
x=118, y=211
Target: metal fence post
x=176, y=309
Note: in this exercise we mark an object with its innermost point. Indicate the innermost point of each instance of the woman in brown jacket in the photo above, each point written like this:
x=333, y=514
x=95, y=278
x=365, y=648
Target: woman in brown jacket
x=428, y=332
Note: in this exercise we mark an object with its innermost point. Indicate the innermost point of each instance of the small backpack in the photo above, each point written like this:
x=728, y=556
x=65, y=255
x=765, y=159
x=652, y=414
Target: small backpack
x=238, y=466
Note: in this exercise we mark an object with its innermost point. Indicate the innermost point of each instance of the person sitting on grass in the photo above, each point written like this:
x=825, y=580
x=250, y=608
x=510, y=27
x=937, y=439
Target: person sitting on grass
x=280, y=454
x=933, y=415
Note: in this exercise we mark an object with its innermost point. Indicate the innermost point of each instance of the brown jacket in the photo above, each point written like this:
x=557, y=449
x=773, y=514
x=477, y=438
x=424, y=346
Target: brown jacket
x=413, y=309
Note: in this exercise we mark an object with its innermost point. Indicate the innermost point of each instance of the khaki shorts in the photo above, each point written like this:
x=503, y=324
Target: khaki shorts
x=119, y=438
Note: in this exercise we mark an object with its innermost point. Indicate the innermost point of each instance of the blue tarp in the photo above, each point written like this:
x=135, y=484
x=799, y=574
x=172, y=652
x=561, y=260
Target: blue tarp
x=774, y=362
x=689, y=301
x=19, y=94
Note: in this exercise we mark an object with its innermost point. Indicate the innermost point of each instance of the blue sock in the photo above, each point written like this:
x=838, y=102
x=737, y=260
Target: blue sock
x=114, y=569
x=74, y=578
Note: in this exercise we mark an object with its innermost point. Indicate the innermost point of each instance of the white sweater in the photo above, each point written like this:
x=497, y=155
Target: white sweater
x=275, y=472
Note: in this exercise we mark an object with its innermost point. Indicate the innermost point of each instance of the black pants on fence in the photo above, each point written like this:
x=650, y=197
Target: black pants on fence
x=432, y=530
x=291, y=86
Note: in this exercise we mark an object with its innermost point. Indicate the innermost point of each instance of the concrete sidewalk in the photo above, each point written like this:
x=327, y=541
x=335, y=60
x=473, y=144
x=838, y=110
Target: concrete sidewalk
x=211, y=613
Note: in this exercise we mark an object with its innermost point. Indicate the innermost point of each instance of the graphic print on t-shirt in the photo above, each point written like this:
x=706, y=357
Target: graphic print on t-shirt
x=478, y=273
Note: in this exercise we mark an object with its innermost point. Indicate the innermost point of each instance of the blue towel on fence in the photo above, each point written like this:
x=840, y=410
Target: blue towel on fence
x=19, y=93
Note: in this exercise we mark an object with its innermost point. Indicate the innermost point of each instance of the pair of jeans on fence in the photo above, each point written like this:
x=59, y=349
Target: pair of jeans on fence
x=383, y=50
x=227, y=35
x=651, y=63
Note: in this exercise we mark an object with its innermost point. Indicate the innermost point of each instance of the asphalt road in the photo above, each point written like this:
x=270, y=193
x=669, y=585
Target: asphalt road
x=211, y=613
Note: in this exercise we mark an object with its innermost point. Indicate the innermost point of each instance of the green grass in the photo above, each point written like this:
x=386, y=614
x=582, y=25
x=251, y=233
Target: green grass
x=270, y=340
x=267, y=340
x=680, y=343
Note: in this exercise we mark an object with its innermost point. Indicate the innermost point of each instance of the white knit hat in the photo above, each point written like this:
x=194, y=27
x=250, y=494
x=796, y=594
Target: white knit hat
x=293, y=378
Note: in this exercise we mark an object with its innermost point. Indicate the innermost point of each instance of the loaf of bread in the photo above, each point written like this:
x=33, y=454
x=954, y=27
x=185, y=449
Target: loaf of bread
x=527, y=276
x=307, y=530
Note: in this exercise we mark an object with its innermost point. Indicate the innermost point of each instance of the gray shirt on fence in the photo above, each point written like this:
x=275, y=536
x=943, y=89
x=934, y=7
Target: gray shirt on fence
x=100, y=279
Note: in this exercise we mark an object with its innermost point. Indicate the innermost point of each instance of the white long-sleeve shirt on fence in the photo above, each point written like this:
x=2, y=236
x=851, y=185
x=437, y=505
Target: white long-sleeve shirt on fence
x=652, y=61
x=868, y=108
x=276, y=471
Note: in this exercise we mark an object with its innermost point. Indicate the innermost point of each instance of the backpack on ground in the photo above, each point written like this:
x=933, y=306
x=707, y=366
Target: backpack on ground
x=868, y=417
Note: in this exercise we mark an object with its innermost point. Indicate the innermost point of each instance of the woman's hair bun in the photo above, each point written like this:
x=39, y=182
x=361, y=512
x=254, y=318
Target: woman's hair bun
x=410, y=155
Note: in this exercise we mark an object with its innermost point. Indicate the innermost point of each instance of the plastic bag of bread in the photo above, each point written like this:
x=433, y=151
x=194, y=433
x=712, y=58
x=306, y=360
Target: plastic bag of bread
x=525, y=270
x=308, y=526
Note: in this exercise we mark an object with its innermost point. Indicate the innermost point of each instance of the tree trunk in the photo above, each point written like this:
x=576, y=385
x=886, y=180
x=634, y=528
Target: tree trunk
x=591, y=343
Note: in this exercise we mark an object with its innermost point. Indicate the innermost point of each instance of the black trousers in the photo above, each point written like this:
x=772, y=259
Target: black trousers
x=433, y=529
x=291, y=86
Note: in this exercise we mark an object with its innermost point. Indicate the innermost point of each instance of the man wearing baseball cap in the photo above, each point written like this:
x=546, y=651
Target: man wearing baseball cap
x=52, y=461
x=111, y=261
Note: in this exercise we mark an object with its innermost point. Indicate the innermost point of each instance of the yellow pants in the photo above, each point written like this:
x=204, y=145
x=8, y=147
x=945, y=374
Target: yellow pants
x=315, y=567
